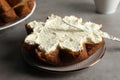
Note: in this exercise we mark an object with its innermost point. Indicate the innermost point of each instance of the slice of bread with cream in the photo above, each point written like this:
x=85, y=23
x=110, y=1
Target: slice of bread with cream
x=58, y=43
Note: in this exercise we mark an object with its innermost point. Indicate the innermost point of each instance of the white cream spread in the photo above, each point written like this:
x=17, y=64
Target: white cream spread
x=55, y=33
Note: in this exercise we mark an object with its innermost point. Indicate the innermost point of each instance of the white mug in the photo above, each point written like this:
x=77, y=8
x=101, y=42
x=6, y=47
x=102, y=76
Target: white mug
x=106, y=6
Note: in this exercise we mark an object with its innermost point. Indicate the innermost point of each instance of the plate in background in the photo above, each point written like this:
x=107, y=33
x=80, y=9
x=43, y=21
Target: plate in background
x=19, y=20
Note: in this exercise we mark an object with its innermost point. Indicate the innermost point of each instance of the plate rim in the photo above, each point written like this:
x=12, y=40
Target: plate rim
x=58, y=71
x=19, y=20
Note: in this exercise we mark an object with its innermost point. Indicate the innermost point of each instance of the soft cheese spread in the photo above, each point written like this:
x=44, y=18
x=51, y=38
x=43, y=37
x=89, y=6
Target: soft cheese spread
x=55, y=33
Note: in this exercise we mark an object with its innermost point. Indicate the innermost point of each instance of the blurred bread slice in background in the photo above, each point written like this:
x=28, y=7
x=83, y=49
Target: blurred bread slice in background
x=14, y=9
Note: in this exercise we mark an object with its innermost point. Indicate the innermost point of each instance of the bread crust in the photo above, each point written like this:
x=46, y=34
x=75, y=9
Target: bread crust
x=61, y=57
x=92, y=48
x=28, y=29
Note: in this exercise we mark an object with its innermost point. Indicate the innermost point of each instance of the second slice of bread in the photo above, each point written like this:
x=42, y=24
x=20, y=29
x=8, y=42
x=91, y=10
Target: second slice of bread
x=13, y=9
x=21, y=7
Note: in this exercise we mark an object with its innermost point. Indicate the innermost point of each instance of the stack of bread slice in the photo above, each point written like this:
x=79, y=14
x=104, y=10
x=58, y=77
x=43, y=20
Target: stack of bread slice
x=14, y=9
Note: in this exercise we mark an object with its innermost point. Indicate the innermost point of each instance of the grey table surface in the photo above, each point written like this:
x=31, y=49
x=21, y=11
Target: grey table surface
x=13, y=67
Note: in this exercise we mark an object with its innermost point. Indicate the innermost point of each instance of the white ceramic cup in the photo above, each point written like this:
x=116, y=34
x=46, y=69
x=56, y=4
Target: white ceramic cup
x=106, y=6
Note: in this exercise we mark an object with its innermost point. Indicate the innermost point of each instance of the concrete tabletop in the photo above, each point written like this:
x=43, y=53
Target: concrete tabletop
x=13, y=67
